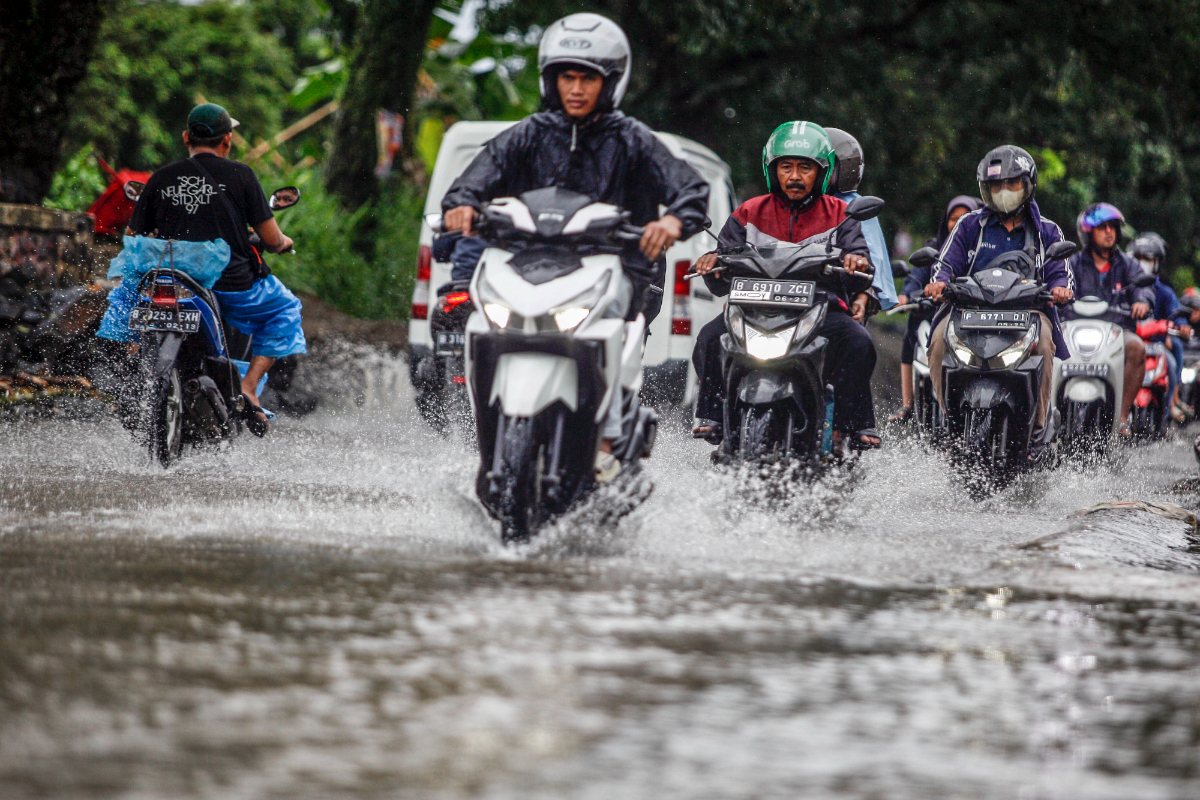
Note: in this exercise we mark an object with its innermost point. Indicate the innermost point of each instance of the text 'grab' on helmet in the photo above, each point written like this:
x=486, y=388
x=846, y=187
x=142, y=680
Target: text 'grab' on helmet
x=848, y=169
x=1093, y=217
x=1007, y=179
x=1150, y=250
x=799, y=139
x=590, y=41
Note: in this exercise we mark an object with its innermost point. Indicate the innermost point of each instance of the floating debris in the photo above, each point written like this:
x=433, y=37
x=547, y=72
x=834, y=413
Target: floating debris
x=1167, y=510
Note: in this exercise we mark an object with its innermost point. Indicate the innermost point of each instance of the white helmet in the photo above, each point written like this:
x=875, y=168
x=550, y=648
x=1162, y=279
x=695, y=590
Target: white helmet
x=588, y=40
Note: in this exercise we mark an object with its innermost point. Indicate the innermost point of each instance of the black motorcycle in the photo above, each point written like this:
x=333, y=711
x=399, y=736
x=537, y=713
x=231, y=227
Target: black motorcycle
x=990, y=376
x=777, y=406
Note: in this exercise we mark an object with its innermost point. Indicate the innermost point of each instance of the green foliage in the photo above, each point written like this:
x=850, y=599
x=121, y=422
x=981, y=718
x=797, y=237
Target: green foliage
x=151, y=62
x=326, y=263
x=78, y=183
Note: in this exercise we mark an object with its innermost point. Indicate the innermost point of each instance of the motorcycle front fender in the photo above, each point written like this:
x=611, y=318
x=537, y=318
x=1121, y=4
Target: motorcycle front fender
x=984, y=393
x=763, y=387
x=526, y=383
x=1085, y=390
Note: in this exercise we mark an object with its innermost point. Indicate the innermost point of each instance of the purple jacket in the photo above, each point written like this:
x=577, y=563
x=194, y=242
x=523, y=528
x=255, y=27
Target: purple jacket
x=959, y=253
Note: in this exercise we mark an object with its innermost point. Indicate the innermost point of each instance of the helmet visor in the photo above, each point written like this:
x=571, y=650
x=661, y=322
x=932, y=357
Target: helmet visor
x=1006, y=196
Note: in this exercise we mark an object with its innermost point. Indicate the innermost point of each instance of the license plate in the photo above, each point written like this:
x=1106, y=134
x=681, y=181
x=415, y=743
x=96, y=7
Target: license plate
x=761, y=292
x=994, y=320
x=1090, y=370
x=449, y=343
x=148, y=318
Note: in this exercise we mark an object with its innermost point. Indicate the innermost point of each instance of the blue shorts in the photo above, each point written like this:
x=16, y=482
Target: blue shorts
x=268, y=312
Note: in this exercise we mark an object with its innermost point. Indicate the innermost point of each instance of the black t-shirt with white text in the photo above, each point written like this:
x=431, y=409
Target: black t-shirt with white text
x=180, y=203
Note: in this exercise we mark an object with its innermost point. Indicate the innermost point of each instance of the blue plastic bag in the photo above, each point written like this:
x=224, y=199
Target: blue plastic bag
x=203, y=261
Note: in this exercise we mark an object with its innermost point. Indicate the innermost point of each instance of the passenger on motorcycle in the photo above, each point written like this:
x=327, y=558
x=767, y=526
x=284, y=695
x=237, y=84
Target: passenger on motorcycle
x=1101, y=270
x=847, y=175
x=911, y=291
x=1150, y=250
x=1010, y=221
x=798, y=161
x=205, y=197
x=579, y=141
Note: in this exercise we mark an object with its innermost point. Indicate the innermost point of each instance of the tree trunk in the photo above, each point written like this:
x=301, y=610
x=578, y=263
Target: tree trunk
x=391, y=44
x=45, y=46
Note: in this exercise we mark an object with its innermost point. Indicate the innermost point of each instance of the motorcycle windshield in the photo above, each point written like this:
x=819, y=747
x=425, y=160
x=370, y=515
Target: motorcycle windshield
x=778, y=260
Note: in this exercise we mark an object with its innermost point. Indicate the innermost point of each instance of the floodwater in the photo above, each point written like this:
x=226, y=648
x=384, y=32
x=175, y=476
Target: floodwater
x=328, y=613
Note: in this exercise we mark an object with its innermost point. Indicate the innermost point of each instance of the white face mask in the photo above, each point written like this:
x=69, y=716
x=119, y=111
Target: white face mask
x=1008, y=200
x=1150, y=265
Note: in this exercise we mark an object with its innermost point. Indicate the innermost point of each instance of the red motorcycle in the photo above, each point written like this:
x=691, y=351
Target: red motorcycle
x=1151, y=406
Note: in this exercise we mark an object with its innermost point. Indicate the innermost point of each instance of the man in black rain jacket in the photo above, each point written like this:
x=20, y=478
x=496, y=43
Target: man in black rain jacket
x=580, y=142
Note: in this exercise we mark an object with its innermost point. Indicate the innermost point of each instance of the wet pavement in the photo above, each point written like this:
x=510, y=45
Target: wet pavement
x=328, y=613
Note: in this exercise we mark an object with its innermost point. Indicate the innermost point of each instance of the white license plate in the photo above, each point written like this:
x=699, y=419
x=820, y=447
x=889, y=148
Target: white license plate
x=763, y=292
x=449, y=343
x=1089, y=370
x=994, y=320
x=179, y=320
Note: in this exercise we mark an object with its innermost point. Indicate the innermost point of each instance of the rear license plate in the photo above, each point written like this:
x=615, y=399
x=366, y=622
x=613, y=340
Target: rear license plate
x=994, y=320
x=148, y=318
x=1090, y=370
x=449, y=343
x=761, y=292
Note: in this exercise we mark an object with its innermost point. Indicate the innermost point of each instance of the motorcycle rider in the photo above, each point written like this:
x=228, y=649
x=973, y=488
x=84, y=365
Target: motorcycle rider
x=1101, y=270
x=208, y=196
x=847, y=175
x=1010, y=220
x=798, y=162
x=581, y=142
x=911, y=290
x=1150, y=251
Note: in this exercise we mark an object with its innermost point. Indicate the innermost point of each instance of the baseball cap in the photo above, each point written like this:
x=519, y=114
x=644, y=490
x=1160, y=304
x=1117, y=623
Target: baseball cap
x=209, y=119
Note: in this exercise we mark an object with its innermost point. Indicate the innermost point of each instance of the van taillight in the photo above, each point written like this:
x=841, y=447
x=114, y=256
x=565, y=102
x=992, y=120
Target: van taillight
x=420, y=301
x=681, y=313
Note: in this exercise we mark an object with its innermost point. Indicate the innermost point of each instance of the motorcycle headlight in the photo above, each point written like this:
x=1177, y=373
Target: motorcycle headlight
x=1016, y=352
x=493, y=306
x=1187, y=375
x=572, y=313
x=961, y=352
x=736, y=321
x=1088, y=340
x=765, y=346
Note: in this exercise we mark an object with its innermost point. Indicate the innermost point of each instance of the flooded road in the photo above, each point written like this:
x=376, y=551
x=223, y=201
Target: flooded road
x=328, y=614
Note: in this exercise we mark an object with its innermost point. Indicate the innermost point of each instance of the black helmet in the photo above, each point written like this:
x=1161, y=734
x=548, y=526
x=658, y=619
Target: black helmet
x=590, y=41
x=1007, y=162
x=848, y=169
x=1150, y=249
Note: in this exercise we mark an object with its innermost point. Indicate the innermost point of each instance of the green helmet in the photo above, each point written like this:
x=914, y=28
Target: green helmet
x=799, y=139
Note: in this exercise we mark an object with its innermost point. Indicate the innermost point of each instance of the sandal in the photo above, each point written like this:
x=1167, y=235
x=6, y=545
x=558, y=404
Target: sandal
x=903, y=415
x=857, y=442
x=1125, y=431
x=709, y=431
x=256, y=418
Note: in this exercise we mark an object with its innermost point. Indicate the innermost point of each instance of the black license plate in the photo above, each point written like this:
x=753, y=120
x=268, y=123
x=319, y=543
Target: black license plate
x=994, y=320
x=149, y=318
x=763, y=292
x=1090, y=370
x=449, y=343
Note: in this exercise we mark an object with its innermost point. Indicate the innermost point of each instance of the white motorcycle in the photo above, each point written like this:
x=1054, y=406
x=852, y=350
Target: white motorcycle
x=1088, y=386
x=552, y=365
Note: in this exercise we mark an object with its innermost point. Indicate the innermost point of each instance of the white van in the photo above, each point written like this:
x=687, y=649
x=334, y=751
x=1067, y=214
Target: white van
x=686, y=307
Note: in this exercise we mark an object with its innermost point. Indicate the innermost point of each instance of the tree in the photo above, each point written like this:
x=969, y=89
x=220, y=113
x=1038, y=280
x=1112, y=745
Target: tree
x=383, y=73
x=45, y=46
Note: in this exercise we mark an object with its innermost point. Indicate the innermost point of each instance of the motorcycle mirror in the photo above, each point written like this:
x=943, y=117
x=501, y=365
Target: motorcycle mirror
x=925, y=257
x=1060, y=250
x=900, y=269
x=286, y=197
x=864, y=208
x=435, y=223
x=133, y=189
x=1144, y=280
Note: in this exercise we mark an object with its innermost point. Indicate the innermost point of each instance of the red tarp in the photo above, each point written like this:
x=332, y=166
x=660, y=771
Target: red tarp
x=113, y=209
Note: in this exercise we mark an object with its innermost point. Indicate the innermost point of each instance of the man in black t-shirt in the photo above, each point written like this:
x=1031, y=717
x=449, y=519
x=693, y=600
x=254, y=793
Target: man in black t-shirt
x=183, y=201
